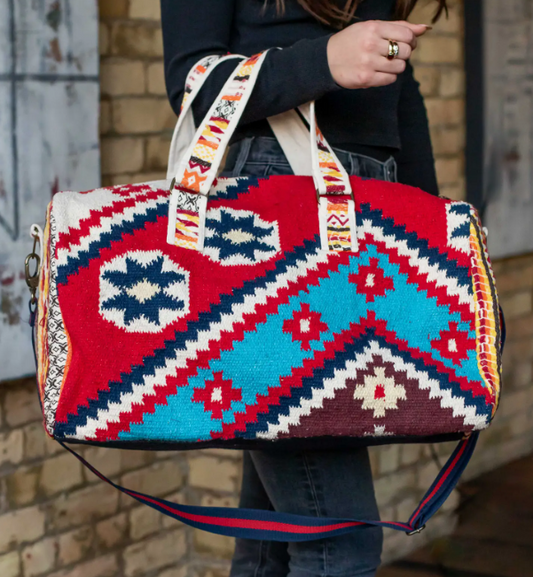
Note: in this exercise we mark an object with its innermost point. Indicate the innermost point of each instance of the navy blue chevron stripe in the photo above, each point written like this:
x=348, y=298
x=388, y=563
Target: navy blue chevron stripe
x=299, y=394
x=450, y=266
x=158, y=358
x=241, y=186
x=115, y=234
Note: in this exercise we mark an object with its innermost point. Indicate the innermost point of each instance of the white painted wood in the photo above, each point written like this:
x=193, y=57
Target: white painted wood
x=509, y=126
x=48, y=140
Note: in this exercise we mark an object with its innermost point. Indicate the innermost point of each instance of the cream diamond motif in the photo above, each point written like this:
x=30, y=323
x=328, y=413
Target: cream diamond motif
x=379, y=393
x=143, y=291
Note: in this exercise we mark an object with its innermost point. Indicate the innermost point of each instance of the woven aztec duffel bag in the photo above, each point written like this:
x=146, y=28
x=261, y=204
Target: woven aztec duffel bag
x=278, y=312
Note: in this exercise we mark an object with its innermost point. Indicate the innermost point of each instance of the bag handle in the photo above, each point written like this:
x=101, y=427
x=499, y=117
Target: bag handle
x=185, y=128
x=198, y=168
x=266, y=525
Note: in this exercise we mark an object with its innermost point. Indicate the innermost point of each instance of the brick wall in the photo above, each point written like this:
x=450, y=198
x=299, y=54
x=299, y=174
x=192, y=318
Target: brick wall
x=58, y=520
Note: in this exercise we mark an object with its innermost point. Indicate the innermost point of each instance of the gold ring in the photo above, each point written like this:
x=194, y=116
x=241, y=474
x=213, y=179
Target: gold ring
x=394, y=50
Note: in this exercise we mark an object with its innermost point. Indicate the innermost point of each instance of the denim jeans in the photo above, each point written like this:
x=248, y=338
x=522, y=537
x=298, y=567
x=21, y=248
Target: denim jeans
x=315, y=483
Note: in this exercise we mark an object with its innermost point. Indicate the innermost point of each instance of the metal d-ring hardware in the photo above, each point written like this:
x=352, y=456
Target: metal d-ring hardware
x=318, y=195
x=32, y=279
x=416, y=531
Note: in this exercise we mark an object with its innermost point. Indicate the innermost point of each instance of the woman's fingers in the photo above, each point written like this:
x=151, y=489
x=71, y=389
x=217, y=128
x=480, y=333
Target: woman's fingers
x=396, y=66
x=384, y=79
x=397, y=32
x=404, y=49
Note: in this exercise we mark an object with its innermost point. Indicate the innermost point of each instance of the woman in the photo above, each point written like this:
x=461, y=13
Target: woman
x=371, y=111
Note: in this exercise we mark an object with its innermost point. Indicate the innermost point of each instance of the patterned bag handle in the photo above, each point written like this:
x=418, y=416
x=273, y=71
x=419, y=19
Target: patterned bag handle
x=185, y=129
x=198, y=169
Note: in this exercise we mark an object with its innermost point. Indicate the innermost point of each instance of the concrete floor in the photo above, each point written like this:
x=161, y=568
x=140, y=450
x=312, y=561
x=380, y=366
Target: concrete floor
x=494, y=537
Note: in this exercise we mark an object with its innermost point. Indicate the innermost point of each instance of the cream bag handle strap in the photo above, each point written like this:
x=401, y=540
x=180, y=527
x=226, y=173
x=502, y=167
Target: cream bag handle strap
x=198, y=167
x=185, y=128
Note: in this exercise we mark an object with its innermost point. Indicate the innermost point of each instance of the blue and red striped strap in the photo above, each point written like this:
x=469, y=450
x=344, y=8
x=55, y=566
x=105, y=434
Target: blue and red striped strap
x=273, y=526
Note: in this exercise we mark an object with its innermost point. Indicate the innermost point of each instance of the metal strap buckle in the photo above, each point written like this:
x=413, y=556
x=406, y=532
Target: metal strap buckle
x=32, y=279
x=318, y=196
x=415, y=531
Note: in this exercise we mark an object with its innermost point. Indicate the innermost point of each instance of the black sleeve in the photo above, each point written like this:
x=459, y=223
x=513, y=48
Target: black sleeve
x=289, y=77
x=416, y=165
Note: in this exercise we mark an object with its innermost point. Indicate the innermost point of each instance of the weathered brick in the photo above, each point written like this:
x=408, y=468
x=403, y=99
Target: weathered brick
x=103, y=39
x=21, y=526
x=514, y=402
x=22, y=485
x=212, y=473
x=517, y=304
x=157, y=149
x=106, y=566
x=112, y=8
x=174, y=572
x=121, y=155
x=455, y=190
x=11, y=447
x=159, y=479
x=107, y=461
x=449, y=170
x=514, y=279
x=122, y=77
x=142, y=115
x=522, y=374
x=60, y=473
x=154, y=553
x=373, y=453
x=438, y=50
x=391, y=488
x=428, y=77
x=410, y=454
x=21, y=404
x=37, y=444
x=112, y=532
x=448, y=139
x=40, y=557
x=389, y=459
x=452, y=82
x=144, y=522
x=406, y=508
x=83, y=506
x=156, y=78
x=137, y=178
x=521, y=327
x=10, y=565
x=221, y=453
x=147, y=9
x=75, y=545
x=445, y=111
x=426, y=475
x=136, y=39
x=135, y=459
x=202, y=571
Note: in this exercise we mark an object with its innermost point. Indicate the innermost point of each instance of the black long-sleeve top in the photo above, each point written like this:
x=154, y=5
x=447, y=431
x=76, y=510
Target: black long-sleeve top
x=377, y=121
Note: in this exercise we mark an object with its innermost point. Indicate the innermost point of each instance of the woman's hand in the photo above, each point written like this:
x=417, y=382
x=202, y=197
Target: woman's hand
x=357, y=55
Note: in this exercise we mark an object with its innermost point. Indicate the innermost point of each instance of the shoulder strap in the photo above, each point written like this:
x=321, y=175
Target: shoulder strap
x=272, y=526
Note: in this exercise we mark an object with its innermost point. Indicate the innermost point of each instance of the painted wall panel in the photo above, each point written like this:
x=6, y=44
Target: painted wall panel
x=49, y=99
x=508, y=95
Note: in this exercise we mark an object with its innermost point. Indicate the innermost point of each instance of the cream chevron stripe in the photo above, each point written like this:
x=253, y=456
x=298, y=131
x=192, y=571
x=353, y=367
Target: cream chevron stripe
x=64, y=222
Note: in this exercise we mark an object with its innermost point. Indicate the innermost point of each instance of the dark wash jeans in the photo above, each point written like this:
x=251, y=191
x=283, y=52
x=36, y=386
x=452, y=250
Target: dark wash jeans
x=316, y=483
